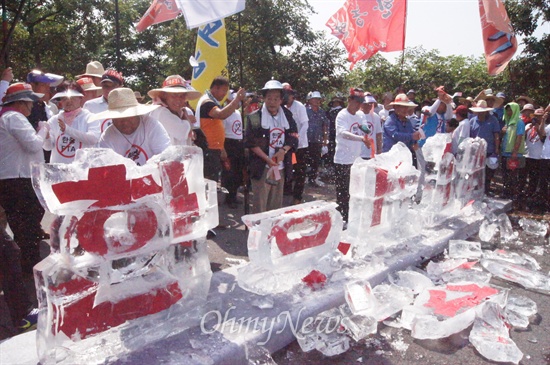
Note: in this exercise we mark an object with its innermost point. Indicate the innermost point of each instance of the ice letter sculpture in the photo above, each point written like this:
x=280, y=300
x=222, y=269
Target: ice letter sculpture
x=470, y=167
x=380, y=192
x=128, y=262
x=285, y=244
x=438, y=194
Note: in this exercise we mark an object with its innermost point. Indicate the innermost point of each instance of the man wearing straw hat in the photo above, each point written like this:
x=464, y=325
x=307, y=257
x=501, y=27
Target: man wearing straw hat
x=172, y=114
x=21, y=146
x=398, y=127
x=88, y=89
x=485, y=125
x=133, y=134
x=95, y=71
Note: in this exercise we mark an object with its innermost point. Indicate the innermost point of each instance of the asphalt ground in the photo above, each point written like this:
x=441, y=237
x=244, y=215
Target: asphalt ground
x=389, y=345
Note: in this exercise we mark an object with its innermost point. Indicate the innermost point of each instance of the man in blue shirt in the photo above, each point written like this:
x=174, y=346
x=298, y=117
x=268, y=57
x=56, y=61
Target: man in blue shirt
x=398, y=127
x=486, y=126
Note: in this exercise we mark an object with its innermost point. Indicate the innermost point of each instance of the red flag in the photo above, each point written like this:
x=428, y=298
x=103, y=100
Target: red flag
x=159, y=11
x=498, y=35
x=368, y=26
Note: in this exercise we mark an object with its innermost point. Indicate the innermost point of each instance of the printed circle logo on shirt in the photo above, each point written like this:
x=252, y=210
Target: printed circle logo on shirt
x=237, y=127
x=66, y=146
x=137, y=154
x=356, y=129
x=276, y=138
x=106, y=124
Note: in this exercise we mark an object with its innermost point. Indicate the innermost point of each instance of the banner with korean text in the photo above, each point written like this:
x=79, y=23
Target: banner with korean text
x=210, y=56
x=499, y=39
x=366, y=27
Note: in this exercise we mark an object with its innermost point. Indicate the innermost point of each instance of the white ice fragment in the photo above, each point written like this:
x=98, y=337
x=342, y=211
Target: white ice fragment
x=518, y=274
x=359, y=296
x=507, y=233
x=436, y=269
x=490, y=335
x=487, y=230
x=523, y=305
x=410, y=279
x=461, y=249
x=360, y=326
x=533, y=227
x=467, y=275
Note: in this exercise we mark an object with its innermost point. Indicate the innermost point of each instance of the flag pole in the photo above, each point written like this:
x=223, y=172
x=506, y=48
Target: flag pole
x=403, y=53
x=240, y=51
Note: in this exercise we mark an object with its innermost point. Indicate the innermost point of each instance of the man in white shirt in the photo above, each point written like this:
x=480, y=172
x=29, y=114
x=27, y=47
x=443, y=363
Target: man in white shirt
x=133, y=134
x=372, y=125
x=110, y=80
x=294, y=184
x=349, y=139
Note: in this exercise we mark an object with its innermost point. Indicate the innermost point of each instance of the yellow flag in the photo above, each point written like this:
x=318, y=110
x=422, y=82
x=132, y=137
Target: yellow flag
x=211, y=56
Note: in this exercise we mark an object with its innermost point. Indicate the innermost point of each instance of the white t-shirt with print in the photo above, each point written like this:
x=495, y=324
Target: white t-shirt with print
x=299, y=113
x=234, y=126
x=149, y=139
x=372, y=121
x=347, y=150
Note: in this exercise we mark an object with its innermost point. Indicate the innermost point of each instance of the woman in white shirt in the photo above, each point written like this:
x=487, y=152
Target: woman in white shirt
x=71, y=129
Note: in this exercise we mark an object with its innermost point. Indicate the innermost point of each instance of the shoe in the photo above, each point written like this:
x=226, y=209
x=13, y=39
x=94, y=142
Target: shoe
x=210, y=234
x=44, y=236
x=29, y=322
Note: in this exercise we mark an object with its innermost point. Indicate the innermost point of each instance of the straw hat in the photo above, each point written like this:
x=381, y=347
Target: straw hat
x=87, y=84
x=175, y=84
x=69, y=93
x=527, y=107
x=497, y=100
x=123, y=104
x=93, y=69
x=20, y=91
x=481, y=107
x=403, y=100
x=526, y=98
x=464, y=101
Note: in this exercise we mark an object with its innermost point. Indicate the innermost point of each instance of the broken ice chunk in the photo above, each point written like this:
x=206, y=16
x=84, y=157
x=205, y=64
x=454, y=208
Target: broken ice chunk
x=359, y=326
x=505, y=226
x=518, y=274
x=410, y=279
x=332, y=344
x=490, y=335
x=487, y=231
x=359, y=296
x=533, y=227
x=436, y=269
x=460, y=249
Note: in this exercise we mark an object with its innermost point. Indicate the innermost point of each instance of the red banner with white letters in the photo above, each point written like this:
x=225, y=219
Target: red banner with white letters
x=159, y=11
x=499, y=39
x=366, y=27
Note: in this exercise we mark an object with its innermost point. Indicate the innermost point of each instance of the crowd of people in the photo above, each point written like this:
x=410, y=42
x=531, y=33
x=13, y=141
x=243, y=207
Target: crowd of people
x=276, y=148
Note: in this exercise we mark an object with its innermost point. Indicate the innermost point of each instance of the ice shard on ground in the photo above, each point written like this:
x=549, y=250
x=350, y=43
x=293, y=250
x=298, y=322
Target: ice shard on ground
x=128, y=252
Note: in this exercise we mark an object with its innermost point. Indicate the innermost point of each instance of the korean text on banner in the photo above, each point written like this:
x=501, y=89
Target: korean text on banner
x=499, y=39
x=202, y=12
x=159, y=11
x=366, y=27
x=210, y=54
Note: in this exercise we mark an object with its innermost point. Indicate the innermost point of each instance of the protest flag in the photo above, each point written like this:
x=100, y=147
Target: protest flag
x=196, y=12
x=499, y=39
x=210, y=55
x=366, y=27
x=159, y=11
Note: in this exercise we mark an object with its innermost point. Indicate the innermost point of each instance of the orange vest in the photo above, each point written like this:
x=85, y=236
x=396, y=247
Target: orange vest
x=215, y=133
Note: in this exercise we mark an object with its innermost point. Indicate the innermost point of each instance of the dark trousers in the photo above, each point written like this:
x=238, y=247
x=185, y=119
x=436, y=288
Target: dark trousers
x=233, y=178
x=24, y=214
x=299, y=174
x=313, y=160
x=212, y=164
x=529, y=176
x=489, y=174
x=544, y=182
x=510, y=179
x=342, y=173
x=13, y=286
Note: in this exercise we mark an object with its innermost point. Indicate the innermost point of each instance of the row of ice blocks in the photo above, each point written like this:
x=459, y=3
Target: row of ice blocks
x=128, y=252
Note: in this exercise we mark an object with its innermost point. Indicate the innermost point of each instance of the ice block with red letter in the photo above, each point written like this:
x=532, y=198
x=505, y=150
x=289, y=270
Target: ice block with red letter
x=379, y=191
x=128, y=264
x=470, y=167
x=285, y=244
